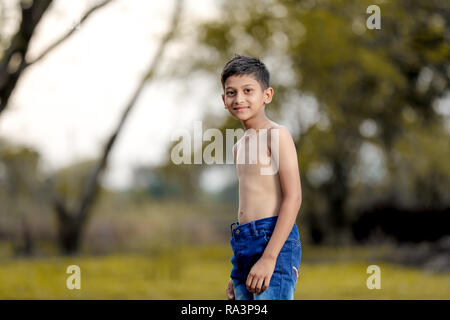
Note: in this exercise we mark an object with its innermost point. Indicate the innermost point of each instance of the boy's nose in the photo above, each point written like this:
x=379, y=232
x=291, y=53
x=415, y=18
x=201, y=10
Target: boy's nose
x=239, y=98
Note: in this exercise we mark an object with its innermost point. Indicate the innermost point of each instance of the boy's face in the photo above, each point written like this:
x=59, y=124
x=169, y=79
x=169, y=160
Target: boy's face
x=244, y=96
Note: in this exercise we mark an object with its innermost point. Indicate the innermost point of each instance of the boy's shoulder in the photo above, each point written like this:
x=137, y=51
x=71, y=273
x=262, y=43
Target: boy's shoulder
x=283, y=133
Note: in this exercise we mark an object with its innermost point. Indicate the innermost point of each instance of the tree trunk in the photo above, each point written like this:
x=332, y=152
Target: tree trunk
x=69, y=230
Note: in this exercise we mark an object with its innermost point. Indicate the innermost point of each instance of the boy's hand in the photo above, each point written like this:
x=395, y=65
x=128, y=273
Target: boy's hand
x=260, y=273
x=230, y=290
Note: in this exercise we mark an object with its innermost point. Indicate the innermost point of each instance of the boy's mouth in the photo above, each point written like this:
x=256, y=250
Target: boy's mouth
x=240, y=108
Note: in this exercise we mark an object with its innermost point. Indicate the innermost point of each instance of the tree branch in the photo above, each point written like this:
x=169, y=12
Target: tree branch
x=17, y=50
x=68, y=34
x=19, y=46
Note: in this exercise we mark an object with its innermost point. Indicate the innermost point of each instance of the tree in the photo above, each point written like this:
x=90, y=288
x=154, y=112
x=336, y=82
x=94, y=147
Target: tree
x=72, y=217
x=20, y=190
x=73, y=220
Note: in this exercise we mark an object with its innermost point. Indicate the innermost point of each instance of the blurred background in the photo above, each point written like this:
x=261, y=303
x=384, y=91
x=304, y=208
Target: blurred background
x=91, y=93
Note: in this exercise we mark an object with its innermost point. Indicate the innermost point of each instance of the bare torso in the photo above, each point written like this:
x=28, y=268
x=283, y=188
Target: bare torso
x=260, y=195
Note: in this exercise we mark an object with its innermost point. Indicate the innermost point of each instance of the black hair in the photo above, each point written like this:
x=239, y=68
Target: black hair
x=246, y=65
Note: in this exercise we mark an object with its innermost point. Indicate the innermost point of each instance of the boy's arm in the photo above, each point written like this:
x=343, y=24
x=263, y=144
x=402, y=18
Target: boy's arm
x=292, y=193
x=292, y=198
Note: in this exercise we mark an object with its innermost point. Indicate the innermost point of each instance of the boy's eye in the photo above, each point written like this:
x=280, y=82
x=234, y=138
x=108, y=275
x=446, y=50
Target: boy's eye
x=230, y=92
x=248, y=90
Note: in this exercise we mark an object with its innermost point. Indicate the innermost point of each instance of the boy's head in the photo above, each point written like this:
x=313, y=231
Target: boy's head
x=241, y=65
x=245, y=82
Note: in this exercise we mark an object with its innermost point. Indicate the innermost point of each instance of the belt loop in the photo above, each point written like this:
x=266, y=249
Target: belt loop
x=254, y=230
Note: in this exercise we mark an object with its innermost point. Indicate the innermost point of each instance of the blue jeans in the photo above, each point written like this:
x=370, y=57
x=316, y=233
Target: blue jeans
x=248, y=242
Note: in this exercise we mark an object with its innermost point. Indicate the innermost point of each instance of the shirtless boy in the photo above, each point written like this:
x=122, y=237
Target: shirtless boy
x=265, y=239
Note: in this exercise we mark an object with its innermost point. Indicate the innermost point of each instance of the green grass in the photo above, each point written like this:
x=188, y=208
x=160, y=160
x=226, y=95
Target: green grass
x=201, y=272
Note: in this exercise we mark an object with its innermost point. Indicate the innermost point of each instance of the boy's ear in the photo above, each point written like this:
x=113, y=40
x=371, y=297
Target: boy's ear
x=268, y=94
x=223, y=99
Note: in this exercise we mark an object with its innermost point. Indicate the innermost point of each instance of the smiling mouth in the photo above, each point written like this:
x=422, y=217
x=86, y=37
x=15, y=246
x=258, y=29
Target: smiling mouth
x=241, y=108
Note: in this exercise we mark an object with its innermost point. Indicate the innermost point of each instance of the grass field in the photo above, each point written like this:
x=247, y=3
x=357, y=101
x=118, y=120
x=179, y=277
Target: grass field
x=201, y=272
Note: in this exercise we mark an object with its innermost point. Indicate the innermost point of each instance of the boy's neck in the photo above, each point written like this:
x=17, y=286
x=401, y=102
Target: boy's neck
x=256, y=123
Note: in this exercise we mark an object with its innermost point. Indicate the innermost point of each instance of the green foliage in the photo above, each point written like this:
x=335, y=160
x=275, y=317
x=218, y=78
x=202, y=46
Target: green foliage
x=19, y=170
x=21, y=185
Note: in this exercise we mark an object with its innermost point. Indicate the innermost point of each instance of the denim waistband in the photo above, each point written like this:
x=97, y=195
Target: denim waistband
x=253, y=228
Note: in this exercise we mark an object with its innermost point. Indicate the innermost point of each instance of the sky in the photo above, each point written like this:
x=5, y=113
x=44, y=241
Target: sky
x=66, y=105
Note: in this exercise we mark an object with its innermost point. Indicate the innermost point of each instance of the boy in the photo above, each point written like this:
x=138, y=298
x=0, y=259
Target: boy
x=265, y=240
